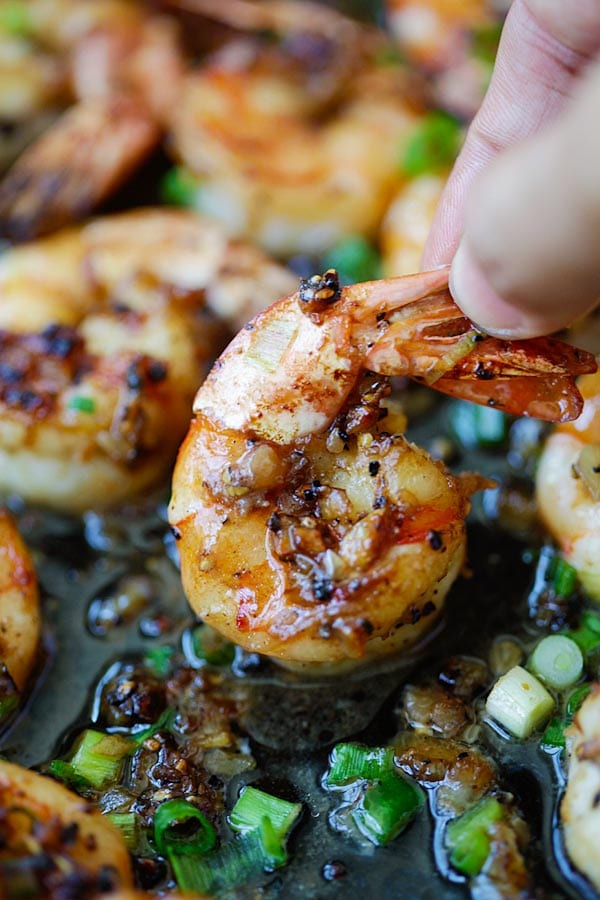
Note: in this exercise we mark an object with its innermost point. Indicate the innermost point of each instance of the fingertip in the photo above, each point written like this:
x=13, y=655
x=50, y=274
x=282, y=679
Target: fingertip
x=476, y=297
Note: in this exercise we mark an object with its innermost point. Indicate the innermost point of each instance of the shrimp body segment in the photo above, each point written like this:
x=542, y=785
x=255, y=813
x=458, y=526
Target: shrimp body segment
x=43, y=819
x=310, y=529
x=567, y=492
x=19, y=605
x=104, y=333
x=579, y=811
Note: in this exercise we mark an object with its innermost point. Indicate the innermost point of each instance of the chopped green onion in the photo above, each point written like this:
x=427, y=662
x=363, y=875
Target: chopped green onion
x=554, y=735
x=349, y=762
x=564, y=577
x=159, y=660
x=467, y=837
x=587, y=636
x=65, y=772
x=128, y=824
x=209, y=645
x=387, y=807
x=478, y=426
x=272, y=816
x=163, y=723
x=224, y=868
x=14, y=18
x=558, y=661
x=433, y=146
x=576, y=699
x=519, y=702
x=485, y=40
x=82, y=404
x=179, y=187
x=355, y=260
x=389, y=56
x=180, y=829
x=99, y=757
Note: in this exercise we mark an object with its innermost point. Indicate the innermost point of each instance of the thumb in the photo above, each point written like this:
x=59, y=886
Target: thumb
x=529, y=259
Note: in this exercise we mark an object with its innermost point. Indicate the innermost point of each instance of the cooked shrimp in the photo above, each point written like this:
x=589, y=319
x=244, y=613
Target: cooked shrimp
x=579, y=809
x=407, y=224
x=115, y=51
x=19, y=609
x=296, y=142
x=310, y=529
x=441, y=37
x=105, y=332
x=70, y=841
x=568, y=487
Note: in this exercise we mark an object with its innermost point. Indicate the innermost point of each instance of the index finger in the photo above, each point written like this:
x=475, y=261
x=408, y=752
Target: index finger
x=545, y=45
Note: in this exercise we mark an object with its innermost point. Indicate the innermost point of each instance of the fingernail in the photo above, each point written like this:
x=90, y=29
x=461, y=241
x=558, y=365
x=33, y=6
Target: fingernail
x=478, y=300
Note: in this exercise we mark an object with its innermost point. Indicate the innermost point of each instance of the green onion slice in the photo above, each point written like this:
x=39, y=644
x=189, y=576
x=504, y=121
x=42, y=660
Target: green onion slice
x=98, y=757
x=159, y=660
x=349, y=762
x=355, y=260
x=554, y=735
x=587, y=636
x=82, y=404
x=558, y=661
x=128, y=824
x=212, y=647
x=433, y=146
x=180, y=829
x=467, y=837
x=387, y=807
x=576, y=699
x=179, y=187
x=14, y=18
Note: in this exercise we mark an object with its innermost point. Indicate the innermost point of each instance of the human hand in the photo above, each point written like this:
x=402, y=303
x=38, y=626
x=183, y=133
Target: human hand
x=525, y=190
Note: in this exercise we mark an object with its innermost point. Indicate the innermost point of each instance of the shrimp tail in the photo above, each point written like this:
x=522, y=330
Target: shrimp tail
x=431, y=341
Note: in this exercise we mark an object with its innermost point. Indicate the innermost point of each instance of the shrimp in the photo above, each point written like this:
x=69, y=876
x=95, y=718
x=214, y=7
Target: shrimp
x=104, y=332
x=19, y=614
x=579, y=810
x=568, y=488
x=67, y=839
x=407, y=224
x=296, y=141
x=310, y=529
x=454, y=41
x=114, y=50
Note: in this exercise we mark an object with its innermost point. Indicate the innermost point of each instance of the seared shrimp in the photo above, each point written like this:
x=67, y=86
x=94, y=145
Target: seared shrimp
x=568, y=487
x=579, y=810
x=105, y=332
x=296, y=142
x=452, y=40
x=19, y=614
x=407, y=224
x=68, y=839
x=310, y=529
x=114, y=51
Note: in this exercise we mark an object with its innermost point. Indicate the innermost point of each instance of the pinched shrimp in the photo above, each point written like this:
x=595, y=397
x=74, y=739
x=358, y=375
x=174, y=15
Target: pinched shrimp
x=579, y=810
x=114, y=50
x=19, y=612
x=568, y=487
x=310, y=529
x=105, y=331
x=407, y=224
x=69, y=841
x=296, y=141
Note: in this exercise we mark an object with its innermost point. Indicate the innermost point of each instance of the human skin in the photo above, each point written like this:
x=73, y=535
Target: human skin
x=520, y=216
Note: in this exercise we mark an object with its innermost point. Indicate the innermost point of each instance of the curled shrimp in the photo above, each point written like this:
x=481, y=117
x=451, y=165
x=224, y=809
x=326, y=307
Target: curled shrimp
x=310, y=529
x=71, y=841
x=580, y=813
x=19, y=613
x=568, y=487
x=296, y=139
x=104, y=332
x=114, y=50
x=407, y=224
